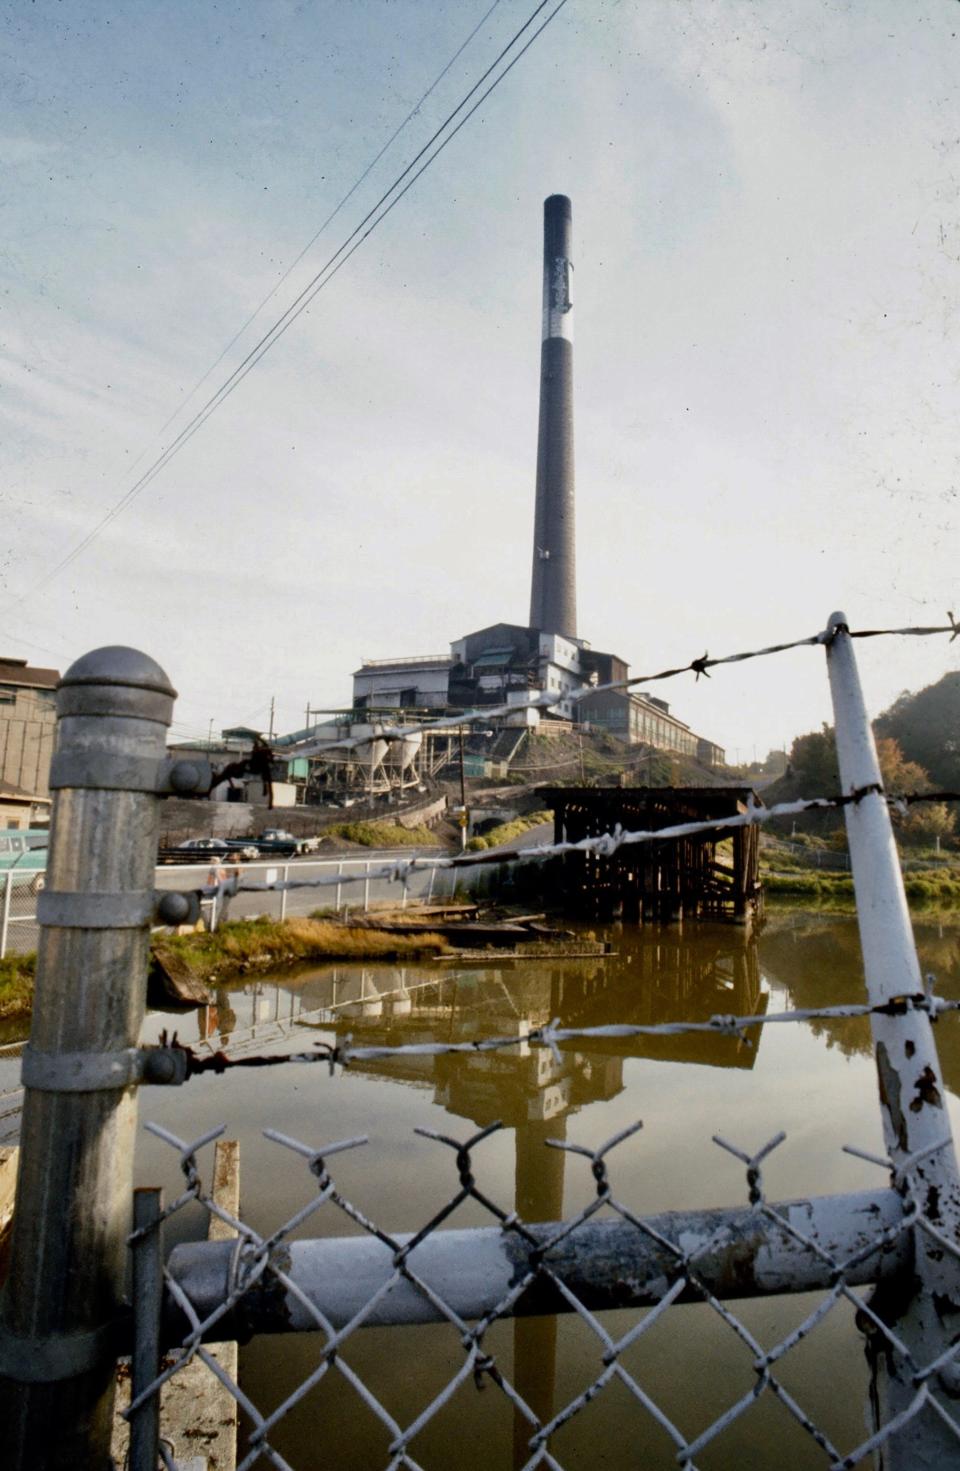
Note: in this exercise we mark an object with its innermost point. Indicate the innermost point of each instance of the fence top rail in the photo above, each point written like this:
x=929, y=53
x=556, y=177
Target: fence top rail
x=605, y=1254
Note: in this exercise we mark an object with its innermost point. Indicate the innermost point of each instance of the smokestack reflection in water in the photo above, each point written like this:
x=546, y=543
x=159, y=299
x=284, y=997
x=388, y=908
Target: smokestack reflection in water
x=658, y=974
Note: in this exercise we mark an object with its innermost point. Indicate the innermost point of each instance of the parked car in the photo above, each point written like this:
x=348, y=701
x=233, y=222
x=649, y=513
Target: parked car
x=24, y=854
x=201, y=849
x=277, y=842
x=280, y=843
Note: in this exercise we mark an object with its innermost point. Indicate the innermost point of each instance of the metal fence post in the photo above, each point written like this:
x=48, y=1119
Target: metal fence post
x=5, y=912
x=147, y=1282
x=283, y=893
x=922, y=1309
x=366, y=887
x=62, y=1307
x=337, y=900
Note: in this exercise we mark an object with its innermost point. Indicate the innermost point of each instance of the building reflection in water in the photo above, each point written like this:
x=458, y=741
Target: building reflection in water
x=658, y=974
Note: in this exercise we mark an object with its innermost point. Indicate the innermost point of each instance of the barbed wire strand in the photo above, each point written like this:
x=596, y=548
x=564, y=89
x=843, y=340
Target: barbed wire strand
x=604, y=845
x=698, y=667
x=554, y=1035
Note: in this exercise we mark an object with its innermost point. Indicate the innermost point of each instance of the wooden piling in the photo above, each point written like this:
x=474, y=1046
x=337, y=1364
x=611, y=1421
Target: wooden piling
x=691, y=877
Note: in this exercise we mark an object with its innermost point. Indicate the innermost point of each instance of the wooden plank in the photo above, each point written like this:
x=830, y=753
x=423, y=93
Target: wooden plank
x=226, y=1188
x=8, y=1194
x=197, y=1412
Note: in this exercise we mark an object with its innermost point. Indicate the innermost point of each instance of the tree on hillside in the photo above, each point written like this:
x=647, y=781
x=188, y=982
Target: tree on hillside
x=922, y=825
x=899, y=774
x=813, y=766
x=813, y=763
x=927, y=727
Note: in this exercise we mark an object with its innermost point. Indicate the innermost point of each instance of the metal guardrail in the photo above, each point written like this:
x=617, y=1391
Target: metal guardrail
x=813, y=857
x=348, y=884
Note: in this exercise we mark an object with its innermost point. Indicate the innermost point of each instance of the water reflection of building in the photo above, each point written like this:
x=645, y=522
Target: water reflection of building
x=528, y=1088
x=657, y=975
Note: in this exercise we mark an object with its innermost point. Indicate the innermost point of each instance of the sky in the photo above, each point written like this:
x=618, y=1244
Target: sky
x=766, y=244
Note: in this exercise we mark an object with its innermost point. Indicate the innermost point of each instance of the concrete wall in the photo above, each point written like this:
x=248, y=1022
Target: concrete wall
x=181, y=819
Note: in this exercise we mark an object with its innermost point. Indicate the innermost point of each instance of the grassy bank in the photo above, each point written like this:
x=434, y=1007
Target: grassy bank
x=927, y=888
x=262, y=944
x=247, y=945
x=16, y=984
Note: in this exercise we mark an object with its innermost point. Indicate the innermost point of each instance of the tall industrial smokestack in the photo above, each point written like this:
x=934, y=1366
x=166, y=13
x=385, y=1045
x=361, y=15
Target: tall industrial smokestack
x=553, y=598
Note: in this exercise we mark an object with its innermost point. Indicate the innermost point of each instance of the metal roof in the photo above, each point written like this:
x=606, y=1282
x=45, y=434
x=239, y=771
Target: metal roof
x=494, y=656
x=19, y=672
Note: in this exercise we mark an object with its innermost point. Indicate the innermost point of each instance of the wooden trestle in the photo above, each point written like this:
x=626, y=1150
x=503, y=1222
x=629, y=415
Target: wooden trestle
x=707, y=876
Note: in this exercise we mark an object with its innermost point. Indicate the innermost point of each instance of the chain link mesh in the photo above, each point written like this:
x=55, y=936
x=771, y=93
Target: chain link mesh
x=264, y=1260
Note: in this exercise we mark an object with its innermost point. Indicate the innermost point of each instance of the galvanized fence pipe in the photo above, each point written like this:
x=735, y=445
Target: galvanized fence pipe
x=926, y=1314
x=5, y=912
x=147, y=1284
x=63, y=1303
x=604, y=1265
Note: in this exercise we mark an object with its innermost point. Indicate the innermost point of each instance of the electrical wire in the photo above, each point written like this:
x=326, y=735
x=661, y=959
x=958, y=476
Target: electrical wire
x=321, y=279
x=330, y=218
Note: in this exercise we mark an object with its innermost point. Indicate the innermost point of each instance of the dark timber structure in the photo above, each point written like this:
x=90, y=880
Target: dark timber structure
x=553, y=597
x=679, y=877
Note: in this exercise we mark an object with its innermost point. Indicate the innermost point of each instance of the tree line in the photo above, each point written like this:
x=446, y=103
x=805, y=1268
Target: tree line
x=918, y=746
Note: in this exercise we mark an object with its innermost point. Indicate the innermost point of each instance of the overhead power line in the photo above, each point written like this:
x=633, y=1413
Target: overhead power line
x=330, y=218
x=370, y=222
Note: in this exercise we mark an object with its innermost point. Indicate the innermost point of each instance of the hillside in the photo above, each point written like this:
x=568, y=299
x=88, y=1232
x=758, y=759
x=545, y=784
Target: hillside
x=596, y=757
x=926, y=726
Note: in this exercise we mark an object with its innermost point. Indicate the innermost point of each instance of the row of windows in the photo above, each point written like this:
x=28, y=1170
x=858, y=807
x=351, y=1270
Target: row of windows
x=652, y=730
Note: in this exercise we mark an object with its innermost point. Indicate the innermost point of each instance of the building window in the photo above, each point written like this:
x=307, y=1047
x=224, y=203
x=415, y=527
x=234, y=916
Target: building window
x=7, y=697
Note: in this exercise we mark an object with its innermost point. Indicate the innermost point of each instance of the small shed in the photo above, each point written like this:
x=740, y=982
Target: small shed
x=711, y=875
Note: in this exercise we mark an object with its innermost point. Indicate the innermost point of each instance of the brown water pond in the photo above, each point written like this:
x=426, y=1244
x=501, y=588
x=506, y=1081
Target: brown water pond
x=814, y=1080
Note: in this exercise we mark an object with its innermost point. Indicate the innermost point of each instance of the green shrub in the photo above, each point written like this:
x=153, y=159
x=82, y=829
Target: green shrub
x=507, y=831
x=383, y=835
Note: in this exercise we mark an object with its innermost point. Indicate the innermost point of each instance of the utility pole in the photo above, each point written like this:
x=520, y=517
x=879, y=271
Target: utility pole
x=273, y=701
x=463, y=796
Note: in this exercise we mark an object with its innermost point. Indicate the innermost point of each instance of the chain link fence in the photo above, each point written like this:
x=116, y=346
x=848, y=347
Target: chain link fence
x=603, y=1257
x=19, y=931
x=63, y=1317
